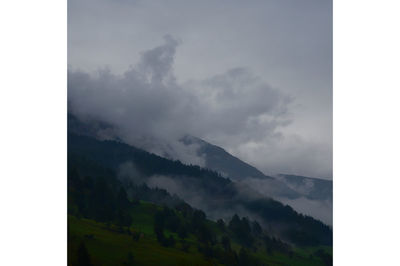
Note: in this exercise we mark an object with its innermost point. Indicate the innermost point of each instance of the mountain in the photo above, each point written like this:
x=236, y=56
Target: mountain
x=312, y=188
x=217, y=159
x=200, y=187
x=311, y=196
x=307, y=195
x=128, y=200
x=287, y=186
x=292, y=186
x=112, y=223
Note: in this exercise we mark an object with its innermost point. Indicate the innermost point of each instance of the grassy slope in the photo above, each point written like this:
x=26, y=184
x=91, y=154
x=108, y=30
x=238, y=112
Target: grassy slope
x=111, y=247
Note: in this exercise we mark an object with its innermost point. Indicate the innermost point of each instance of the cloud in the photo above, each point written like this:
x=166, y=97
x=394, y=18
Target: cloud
x=128, y=174
x=319, y=209
x=151, y=110
x=287, y=43
x=189, y=189
x=287, y=153
x=240, y=105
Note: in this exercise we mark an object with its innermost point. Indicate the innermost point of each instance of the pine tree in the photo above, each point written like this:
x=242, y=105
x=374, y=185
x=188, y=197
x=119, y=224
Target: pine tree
x=83, y=256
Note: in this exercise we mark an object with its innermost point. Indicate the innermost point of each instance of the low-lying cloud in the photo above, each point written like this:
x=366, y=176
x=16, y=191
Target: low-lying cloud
x=319, y=209
x=189, y=189
x=295, y=196
x=152, y=110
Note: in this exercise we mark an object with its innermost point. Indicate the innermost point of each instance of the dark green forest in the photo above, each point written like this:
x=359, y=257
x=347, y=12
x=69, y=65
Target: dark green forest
x=124, y=223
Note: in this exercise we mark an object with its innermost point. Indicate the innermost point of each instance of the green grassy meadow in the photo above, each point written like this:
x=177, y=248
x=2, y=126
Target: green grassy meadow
x=108, y=244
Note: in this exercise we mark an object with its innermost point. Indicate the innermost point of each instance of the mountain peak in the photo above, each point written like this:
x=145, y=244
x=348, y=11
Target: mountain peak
x=218, y=159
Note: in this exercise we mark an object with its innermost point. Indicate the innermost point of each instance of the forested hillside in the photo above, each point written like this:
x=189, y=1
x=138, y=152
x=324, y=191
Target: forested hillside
x=112, y=224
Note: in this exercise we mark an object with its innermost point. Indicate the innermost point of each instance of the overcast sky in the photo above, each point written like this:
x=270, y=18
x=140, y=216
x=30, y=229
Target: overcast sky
x=254, y=77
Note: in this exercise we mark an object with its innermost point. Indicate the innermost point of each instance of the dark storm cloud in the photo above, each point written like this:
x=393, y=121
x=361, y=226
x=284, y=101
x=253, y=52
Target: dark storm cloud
x=224, y=43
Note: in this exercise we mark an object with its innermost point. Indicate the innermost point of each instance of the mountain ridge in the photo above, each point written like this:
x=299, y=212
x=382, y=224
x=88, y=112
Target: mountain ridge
x=282, y=187
x=205, y=189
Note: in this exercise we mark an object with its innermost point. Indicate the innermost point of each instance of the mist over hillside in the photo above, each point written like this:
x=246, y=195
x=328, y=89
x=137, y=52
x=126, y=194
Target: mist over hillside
x=235, y=109
x=298, y=192
x=204, y=189
x=147, y=107
x=190, y=190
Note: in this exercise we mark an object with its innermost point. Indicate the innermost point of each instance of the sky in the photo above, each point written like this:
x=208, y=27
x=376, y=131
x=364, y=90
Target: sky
x=254, y=77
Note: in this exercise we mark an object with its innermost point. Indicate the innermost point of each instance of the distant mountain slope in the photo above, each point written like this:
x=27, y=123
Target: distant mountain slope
x=312, y=188
x=282, y=185
x=220, y=160
x=311, y=196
